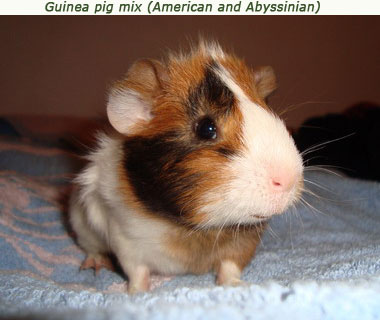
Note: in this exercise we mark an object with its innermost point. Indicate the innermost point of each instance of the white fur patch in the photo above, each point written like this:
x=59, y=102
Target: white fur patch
x=211, y=49
x=267, y=149
x=228, y=273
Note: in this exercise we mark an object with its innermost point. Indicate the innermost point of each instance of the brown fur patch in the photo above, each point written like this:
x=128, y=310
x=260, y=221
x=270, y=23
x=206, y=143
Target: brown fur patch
x=203, y=250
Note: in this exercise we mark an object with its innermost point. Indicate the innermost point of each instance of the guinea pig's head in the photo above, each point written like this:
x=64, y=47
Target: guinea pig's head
x=201, y=147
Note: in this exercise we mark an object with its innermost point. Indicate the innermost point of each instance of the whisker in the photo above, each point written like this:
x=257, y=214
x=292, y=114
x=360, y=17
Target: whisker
x=313, y=127
x=272, y=232
x=295, y=212
x=258, y=230
x=318, y=185
x=306, y=207
x=308, y=191
x=295, y=106
x=306, y=161
x=290, y=232
x=308, y=150
x=322, y=169
x=312, y=207
x=237, y=231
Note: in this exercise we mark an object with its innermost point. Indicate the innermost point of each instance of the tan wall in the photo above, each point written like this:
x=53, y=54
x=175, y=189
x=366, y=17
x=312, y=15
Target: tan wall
x=62, y=65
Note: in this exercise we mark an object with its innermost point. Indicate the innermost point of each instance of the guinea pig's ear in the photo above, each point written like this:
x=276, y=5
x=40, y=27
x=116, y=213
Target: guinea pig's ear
x=265, y=80
x=130, y=101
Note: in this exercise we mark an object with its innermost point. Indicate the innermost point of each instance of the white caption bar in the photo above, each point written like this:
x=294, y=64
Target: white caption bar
x=189, y=7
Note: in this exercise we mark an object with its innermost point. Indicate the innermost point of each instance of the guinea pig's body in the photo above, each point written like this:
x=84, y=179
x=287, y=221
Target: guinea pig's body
x=198, y=165
x=106, y=221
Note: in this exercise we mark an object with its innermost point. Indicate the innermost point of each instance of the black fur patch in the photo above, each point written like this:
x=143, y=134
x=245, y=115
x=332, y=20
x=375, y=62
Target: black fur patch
x=212, y=91
x=152, y=167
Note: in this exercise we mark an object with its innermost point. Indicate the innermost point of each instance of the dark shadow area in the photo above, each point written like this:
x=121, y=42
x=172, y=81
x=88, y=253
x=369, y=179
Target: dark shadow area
x=348, y=141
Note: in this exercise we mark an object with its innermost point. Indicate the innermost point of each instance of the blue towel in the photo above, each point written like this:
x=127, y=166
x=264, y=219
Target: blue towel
x=321, y=260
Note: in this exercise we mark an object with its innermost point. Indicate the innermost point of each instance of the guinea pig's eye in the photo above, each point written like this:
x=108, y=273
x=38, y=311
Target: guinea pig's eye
x=206, y=129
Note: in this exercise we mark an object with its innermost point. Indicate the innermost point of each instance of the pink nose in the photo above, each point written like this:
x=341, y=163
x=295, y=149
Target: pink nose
x=282, y=182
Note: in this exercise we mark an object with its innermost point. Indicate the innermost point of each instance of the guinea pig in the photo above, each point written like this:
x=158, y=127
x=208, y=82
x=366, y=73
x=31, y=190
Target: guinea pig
x=196, y=166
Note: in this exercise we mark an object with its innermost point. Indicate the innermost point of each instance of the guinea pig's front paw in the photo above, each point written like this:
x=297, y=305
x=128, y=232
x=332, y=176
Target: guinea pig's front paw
x=229, y=274
x=233, y=282
x=139, y=280
x=134, y=289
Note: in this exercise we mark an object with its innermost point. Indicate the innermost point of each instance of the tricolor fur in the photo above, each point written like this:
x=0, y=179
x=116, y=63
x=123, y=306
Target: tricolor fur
x=165, y=200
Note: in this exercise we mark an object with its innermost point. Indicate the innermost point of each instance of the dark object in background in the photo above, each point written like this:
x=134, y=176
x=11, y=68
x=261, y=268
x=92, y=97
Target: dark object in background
x=357, y=155
x=7, y=129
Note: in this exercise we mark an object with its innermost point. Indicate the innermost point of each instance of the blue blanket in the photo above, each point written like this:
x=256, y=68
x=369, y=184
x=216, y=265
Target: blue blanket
x=319, y=261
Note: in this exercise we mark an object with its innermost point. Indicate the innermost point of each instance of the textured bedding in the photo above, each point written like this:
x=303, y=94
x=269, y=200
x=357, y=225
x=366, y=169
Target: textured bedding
x=319, y=261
